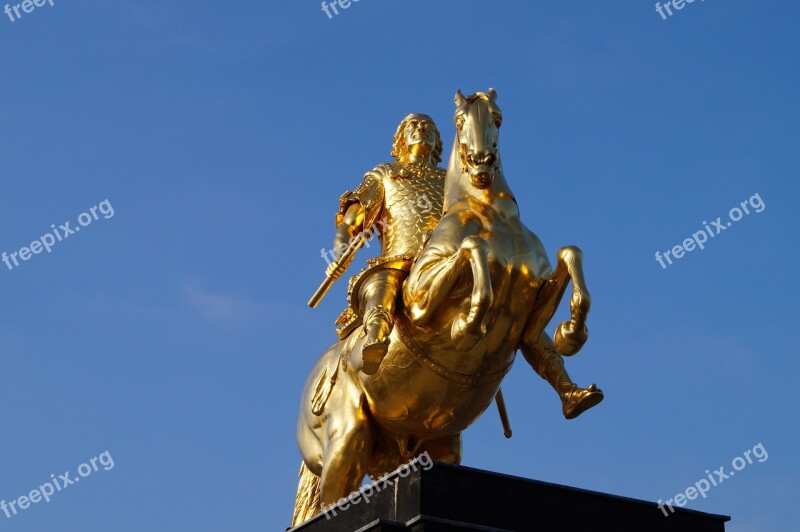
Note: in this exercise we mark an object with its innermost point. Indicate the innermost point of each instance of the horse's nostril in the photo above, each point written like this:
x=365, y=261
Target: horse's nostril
x=481, y=159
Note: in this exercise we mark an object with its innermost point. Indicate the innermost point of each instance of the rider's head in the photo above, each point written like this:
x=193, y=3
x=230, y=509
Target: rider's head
x=418, y=136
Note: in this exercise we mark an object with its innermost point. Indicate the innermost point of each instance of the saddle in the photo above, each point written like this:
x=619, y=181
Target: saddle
x=349, y=321
x=352, y=316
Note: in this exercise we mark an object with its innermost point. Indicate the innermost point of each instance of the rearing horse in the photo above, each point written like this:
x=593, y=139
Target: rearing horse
x=481, y=289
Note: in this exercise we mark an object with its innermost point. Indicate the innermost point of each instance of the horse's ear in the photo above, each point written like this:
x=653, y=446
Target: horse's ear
x=459, y=99
x=492, y=94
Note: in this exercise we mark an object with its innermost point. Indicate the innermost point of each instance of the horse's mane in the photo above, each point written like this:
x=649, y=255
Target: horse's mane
x=477, y=95
x=454, y=172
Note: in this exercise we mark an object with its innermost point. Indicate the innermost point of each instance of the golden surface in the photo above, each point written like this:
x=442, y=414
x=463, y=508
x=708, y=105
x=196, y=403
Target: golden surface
x=432, y=338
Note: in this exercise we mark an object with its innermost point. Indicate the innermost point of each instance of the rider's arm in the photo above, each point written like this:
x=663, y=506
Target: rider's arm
x=356, y=209
x=351, y=224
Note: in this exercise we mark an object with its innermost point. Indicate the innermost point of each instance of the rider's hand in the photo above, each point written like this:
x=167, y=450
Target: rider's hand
x=335, y=270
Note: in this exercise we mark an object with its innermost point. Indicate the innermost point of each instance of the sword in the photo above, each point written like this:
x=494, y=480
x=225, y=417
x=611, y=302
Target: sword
x=346, y=257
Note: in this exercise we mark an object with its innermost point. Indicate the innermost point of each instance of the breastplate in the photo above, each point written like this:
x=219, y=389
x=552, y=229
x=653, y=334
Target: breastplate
x=412, y=207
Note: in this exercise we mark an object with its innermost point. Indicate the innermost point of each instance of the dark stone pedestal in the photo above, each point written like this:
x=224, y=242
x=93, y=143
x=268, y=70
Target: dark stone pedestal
x=451, y=498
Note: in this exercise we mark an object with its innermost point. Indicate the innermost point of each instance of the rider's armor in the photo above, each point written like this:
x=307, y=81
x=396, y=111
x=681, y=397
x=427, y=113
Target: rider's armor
x=412, y=198
x=402, y=203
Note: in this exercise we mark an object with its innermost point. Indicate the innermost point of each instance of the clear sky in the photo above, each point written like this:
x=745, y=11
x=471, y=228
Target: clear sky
x=175, y=334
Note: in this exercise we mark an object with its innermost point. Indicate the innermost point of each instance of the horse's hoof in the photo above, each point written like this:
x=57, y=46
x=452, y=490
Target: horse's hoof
x=568, y=340
x=579, y=400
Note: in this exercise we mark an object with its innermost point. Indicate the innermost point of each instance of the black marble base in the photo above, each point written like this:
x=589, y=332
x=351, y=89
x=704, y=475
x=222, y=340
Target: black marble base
x=450, y=498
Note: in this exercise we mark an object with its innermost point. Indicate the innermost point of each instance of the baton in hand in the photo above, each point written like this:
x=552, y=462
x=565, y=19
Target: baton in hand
x=346, y=257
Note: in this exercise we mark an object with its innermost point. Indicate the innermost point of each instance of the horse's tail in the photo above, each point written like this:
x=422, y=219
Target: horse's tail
x=307, y=502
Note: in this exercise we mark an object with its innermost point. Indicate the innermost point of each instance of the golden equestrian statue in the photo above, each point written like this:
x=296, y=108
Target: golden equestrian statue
x=467, y=287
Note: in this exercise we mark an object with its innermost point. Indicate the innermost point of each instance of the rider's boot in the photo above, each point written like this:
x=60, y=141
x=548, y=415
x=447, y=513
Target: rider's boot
x=574, y=399
x=378, y=298
x=378, y=323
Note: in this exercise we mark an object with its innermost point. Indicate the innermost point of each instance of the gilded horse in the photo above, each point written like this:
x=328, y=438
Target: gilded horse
x=481, y=289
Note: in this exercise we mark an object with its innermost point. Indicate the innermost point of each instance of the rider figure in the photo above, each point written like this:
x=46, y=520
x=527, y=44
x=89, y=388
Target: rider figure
x=401, y=202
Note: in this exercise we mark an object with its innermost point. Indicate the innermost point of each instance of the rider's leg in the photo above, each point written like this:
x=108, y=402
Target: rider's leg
x=378, y=300
x=546, y=362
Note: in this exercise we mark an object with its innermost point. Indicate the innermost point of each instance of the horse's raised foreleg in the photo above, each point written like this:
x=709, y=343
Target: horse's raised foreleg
x=470, y=327
x=432, y=280
x=570, y=335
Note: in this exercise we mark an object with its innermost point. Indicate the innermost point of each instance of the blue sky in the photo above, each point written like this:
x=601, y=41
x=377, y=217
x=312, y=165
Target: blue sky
x=175, y=334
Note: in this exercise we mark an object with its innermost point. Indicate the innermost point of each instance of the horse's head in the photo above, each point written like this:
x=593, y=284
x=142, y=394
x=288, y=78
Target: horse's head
x=478, y=120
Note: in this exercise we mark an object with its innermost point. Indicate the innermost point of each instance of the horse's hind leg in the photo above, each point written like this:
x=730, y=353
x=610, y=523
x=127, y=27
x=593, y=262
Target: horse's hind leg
x=570, y=335
x=349, y=447
x=336, y=443
x=447, y=449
